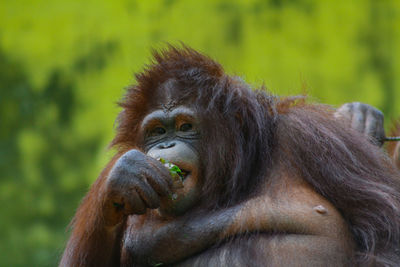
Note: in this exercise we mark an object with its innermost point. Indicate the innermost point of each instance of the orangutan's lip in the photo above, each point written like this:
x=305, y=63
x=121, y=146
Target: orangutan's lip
x=184, y=174
x=181, y=172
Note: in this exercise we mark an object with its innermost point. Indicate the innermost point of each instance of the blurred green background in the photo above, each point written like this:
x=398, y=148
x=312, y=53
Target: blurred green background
x=64, y=65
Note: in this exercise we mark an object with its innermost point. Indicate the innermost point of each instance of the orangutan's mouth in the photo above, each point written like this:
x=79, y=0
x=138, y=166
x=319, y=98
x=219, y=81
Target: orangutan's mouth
x=178, y=174
x=183, y=174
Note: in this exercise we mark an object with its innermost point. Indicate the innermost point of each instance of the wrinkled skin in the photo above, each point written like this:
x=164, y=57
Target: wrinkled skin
x=139, y=181
x=366, y=119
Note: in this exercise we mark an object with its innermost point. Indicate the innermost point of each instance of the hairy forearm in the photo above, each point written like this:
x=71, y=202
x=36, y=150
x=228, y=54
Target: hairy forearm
x=100, y=248
x=95, y=234
x=173, y=241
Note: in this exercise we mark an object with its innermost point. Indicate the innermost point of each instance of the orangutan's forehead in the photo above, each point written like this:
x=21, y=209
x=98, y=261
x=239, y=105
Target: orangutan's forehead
x=169, y=106
x=169, y=95
x=166, y=92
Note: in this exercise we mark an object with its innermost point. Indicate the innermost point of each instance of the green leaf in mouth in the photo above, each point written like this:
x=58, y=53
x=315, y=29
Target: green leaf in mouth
x=176, y=173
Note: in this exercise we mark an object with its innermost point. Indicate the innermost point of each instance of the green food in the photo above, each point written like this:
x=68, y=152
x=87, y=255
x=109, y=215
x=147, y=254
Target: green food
x=175, y=171
x=176, y=174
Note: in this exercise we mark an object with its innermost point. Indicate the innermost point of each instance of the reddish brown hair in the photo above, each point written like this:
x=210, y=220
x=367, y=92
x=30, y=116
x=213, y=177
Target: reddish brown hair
x=248, y=131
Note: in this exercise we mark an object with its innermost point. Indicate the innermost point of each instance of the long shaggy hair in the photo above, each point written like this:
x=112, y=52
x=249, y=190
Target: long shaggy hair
x=393, y=148
x=247, y=132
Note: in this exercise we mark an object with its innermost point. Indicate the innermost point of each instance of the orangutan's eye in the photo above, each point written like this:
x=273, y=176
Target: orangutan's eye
x=185, y=127
x=158, y=131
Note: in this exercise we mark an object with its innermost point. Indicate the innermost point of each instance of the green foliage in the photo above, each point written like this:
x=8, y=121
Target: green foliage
x=176, y=174
x=64, y=64
x=174, y=170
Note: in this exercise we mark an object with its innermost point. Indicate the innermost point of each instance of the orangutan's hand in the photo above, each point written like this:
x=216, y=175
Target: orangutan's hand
x=365, y=119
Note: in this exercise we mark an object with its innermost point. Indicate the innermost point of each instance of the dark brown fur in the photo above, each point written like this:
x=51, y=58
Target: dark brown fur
x=247, y=132
x=393, y=148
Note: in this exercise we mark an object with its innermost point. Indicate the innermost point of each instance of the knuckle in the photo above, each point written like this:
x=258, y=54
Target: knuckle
x=127, y=174
x=133, y=154
x=113, y=181
x=117, y=169
x=359, y=107
x=116, y=177
x=377, y=114
x=345, y=111
x=133, y=160
x=362, y=105
x=347, y=107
